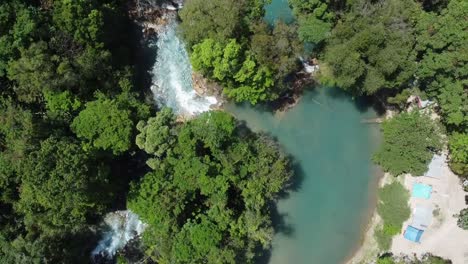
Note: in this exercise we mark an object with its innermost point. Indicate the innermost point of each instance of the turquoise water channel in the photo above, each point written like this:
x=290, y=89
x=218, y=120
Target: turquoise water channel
x=322, y=221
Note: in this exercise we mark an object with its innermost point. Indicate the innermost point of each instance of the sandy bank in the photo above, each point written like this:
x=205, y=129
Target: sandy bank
x=443, y=237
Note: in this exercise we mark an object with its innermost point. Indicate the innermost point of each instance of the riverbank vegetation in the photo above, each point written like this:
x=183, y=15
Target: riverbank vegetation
x=207, y=198
x=463, y=219
x=393, y=208
x=230, y=43
x=387, y=49
x=68, y=122
x=69, y=113
x=409, y=142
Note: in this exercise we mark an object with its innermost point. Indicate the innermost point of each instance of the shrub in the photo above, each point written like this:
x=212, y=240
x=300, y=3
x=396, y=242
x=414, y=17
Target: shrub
x=463, y=219
x=394, y=210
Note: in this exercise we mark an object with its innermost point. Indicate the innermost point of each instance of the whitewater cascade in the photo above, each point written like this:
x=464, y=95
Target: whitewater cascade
x=119, y=228
x=172, y=84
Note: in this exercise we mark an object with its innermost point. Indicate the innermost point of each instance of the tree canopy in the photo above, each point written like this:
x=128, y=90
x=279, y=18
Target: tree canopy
x=57, y=187
x=463, y=219
x=371, y=47
x=409, y=142
x=250, y=59
x=207, y=198
x=104, y=125
x=393, y=208
x=62, y=71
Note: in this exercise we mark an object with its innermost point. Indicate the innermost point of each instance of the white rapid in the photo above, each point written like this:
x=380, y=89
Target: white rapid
x=119, y=228
x=172, y=76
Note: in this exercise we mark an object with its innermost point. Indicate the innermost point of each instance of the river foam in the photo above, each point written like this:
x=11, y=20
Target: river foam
x=119, y=228
x=172, y=76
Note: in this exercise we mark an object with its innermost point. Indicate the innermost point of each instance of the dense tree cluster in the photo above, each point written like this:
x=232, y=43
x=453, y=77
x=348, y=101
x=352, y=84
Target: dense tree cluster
x=315, y=18
x=229, y=42
x=69, y=115
x=409, y=142
x=371, y=47
x=67, y=111
x=207, y=198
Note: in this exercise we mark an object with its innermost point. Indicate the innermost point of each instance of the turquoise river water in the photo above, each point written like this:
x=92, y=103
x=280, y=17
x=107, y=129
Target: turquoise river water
x=322, y=220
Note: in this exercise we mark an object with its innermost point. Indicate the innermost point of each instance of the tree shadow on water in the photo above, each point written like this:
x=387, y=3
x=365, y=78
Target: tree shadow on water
x=279, y=220
x=361, y=103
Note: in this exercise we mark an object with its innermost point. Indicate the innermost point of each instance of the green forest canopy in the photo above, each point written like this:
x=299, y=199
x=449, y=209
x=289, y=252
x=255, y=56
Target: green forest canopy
x=64, y=160
x=58, y=71
x=207, y=198
x=241, y=52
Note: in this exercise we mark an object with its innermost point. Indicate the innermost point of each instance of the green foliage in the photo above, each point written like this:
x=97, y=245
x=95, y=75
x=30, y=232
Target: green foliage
x=285, y=49
x=400, y=99
x=425, y=259
x=33, y=72
x=57, y=183
x=453, y=100
x=371, y=47
x=219, y=20
x=315, y=18
x=104, y=125
x=458, y=145
x=61, y=106
x=463, y=219
x=247, y=57
x=385, y=260
x=430, y=259
x=18, y=27
x=409, y=142
x=312, y=29
x=212, y=183
x=244, y=80
x=80, y=19
x=53, y=60
x=157, y=136
x=393, y=208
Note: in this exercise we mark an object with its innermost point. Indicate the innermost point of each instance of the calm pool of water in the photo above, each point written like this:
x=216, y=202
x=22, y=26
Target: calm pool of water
x=278, y=9
x=322, y=221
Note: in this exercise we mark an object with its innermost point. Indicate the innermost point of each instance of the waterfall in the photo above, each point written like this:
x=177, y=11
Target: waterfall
x=119, y=228
x=172, y=76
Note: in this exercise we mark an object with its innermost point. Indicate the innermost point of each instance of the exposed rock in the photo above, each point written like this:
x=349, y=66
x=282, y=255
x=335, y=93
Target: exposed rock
x=290, y=99
x=152, y=15
x=205, y=87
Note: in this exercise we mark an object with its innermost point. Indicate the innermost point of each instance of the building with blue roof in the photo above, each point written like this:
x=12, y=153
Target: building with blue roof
x=413, y=234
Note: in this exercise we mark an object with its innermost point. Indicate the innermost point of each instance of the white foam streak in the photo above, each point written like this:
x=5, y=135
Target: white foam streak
x=172, y=76
x=119, y=228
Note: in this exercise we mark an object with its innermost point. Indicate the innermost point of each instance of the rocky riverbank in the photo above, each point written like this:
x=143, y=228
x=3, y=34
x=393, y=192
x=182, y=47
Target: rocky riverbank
x=153, y=15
